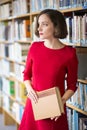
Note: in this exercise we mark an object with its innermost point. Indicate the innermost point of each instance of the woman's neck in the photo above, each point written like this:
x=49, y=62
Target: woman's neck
x=53, y=44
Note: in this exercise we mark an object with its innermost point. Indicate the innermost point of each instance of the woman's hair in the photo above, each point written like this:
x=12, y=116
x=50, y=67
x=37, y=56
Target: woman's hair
x=58, y=21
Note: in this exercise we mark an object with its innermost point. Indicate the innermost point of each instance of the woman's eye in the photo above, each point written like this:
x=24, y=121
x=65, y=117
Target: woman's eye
x=45, y=24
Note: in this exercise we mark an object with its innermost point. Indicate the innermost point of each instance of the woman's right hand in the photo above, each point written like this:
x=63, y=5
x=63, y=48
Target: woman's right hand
x=32, y=94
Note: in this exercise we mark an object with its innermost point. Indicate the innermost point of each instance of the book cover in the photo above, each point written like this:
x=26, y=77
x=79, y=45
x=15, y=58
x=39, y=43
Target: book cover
x=23, y=92
x=12, y=88
x=49, y=104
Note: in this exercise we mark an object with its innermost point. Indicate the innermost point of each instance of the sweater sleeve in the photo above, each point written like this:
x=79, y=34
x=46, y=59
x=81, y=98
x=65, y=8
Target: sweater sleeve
x=27, y=73
x=72, y=71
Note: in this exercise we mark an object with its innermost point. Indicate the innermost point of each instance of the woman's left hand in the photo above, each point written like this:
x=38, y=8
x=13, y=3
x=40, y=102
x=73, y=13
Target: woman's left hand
x=55, y=118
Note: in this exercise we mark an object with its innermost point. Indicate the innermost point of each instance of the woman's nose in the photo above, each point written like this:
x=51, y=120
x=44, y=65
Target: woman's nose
x=39, y=28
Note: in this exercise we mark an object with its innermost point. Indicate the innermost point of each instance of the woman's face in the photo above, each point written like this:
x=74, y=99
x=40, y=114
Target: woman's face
x=46, y=27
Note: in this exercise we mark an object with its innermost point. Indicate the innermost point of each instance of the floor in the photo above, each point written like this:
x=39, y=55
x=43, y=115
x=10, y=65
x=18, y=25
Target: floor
x=3, y=127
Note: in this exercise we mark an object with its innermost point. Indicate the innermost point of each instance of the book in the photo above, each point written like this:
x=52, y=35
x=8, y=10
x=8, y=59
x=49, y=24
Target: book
x=12, y=88
x=83, y=123
x=49, y=104
x=23, y=92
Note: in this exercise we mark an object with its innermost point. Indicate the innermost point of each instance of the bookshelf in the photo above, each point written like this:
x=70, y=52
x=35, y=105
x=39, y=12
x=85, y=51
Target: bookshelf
x=14, y=21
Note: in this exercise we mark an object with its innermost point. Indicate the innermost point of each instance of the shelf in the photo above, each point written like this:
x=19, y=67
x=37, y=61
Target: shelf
x=77, y=109
x=21, y=16
x=6, y=19
x=82, y=81
x=71, y=9
x=0, y=109
x=12, y=117
x=9, y=119
x=10, y=60
x=6, y=42
x=81, y=49
x=13, y=98
x=13, y=79
x=4, y=1
x=24, y=41
x=35, y=13
x=62, y=10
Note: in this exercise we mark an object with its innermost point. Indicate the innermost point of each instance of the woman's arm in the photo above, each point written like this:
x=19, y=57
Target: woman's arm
x=67, y=95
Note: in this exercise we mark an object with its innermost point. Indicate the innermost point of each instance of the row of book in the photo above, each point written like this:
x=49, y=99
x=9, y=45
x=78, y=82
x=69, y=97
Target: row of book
x=76, y=121
x=77, y=29
x=14, y=89
x=20, y=30
x=79, y=99
x=7, y=8
x=14, y=51
x=21, y=7
x=56, y=4
x=13, y=108
x=7, y=32
x=17, y=30
x=12, y=97
x=11, y=69
x=14, y=8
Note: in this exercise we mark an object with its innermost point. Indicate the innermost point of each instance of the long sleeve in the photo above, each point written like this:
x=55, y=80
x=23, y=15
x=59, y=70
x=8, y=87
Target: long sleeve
x=28, y=68
x=72, y=71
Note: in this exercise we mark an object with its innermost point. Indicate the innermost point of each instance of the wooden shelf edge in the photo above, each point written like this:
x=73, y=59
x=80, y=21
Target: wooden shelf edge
x=11, y=60
x=0, y=109
x=4, y=1
x=71, y=9
x=82, y=81
x=77, y=109
x=4, y=110
x=61, y=10
x=18, y=101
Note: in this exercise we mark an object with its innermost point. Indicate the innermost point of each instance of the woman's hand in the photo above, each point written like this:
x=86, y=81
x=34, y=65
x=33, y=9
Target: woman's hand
x=54, y=118
x=32, y=94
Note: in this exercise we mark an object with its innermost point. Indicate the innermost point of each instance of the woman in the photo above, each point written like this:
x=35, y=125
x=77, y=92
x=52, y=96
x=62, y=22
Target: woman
x=48, y=62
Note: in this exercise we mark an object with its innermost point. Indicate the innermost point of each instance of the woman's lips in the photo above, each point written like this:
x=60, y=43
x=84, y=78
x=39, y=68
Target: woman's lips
x=40, y=33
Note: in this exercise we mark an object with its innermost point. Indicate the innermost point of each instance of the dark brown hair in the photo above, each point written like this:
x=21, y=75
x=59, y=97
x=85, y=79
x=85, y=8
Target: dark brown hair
x=58, y=21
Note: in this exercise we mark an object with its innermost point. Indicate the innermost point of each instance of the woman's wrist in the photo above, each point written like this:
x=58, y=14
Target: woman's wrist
x=63, y=100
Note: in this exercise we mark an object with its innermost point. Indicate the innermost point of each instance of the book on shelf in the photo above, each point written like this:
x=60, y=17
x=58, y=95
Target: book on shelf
x=49, y=104
x=23, y=92
x=83, y=124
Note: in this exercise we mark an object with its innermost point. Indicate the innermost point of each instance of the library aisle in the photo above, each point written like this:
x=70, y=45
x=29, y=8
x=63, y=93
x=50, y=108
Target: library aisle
x=5, y=127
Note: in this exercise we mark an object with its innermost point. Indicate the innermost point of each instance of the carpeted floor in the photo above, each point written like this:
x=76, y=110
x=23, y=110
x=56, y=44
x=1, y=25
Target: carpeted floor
x=3, y=127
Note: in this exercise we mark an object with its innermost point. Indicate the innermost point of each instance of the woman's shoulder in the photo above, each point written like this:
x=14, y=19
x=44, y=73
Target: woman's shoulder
x=36, y=43
x=71, y=51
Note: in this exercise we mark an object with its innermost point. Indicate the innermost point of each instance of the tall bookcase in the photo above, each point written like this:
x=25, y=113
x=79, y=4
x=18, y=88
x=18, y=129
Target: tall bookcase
x=17, y=21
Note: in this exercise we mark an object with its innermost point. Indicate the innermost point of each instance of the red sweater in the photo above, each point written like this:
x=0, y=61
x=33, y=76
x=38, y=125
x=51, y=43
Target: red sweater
x=47, y=68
